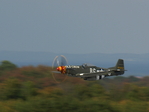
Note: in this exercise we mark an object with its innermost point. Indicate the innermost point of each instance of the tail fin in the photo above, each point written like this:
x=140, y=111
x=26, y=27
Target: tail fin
x=118, y=68
x=120, y=64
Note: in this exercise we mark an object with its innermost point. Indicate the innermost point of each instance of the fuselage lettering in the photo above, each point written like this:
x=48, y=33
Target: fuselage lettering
x=92, y=70
x=71, y=66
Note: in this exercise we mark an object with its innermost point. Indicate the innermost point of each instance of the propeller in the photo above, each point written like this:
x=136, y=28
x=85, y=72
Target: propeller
x=59, y=69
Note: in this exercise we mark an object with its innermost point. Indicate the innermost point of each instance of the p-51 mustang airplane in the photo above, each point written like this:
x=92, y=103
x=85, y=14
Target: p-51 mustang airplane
x=87, y=71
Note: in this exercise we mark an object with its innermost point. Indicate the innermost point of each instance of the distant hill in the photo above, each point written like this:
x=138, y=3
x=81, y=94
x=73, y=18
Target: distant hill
x=136, y=64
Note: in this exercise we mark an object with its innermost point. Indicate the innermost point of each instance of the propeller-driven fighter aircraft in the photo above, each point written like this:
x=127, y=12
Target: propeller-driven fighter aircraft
x=86, y=71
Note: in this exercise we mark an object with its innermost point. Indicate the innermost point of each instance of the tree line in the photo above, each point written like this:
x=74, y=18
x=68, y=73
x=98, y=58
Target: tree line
x=33, y=89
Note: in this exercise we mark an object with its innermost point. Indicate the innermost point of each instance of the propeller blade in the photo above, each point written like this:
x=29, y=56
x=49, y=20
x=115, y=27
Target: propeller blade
x=57, y=61
x=63, y=61
x=55, y=64
x=59, y=64
x=56, y=72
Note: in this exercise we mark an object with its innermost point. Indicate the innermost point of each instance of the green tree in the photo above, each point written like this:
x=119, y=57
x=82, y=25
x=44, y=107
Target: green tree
x=28, y=89
x=7, y=65
x=36, y=104
x=89, y=91
x=11, y=89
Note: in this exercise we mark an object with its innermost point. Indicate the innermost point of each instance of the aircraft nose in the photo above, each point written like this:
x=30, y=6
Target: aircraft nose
x=59, y=68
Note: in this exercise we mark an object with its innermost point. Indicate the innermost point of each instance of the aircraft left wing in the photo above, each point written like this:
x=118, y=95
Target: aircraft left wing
x=89, y=74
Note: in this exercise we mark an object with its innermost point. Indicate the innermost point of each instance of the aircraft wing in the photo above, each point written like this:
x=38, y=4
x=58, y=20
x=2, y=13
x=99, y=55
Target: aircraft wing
x=89, y=74
x=116, y=70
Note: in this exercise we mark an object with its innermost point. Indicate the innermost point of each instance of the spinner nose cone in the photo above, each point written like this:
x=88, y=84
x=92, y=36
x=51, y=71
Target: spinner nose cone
x=59, y=68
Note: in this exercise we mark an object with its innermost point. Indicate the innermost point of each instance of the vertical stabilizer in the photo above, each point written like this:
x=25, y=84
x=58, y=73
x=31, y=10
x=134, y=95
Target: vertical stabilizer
x=120, y=64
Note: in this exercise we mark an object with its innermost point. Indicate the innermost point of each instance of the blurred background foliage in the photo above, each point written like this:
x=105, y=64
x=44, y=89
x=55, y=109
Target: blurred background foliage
x=32, y=89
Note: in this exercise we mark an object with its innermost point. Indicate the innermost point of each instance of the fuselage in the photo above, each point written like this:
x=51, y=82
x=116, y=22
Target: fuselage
x=89, y=72
x=92, y=72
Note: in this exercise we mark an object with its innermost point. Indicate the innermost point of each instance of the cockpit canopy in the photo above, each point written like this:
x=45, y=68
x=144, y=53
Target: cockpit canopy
x=87, y=64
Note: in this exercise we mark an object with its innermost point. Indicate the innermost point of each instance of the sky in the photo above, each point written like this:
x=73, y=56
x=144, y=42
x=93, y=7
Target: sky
x=75, y=26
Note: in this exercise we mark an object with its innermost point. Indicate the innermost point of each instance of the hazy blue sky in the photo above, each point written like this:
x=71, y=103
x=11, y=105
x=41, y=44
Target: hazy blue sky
x=75, y=26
